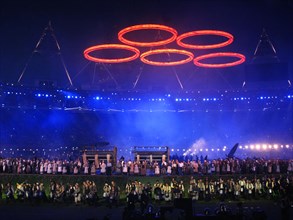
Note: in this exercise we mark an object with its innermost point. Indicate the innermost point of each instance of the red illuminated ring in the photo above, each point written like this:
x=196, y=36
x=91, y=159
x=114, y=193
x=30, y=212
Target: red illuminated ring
x=147, y=27
x=220, y=65
x=204, y=32
x=172, y=63
x=111, y=46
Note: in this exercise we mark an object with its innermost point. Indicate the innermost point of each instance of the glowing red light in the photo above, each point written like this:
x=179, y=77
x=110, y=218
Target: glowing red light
x=219, y=65
x=204, y=32
x=167, y=63
x=147, y=27
x=89, y=50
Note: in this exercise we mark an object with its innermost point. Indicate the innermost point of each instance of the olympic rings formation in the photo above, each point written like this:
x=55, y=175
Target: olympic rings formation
x=128, y=45
x=168, y=51
x=147, y=27
x=111, y=46
x=204, y=32
x=219, y=65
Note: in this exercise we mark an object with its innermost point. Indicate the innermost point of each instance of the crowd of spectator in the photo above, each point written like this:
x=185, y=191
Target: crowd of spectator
x=197, y=188
x=146, y=168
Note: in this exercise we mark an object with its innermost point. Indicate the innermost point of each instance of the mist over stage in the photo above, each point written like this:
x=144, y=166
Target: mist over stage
x=189, y=123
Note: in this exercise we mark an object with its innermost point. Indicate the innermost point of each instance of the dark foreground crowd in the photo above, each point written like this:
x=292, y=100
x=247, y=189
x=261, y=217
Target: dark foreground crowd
x=141, y=198
x=198, y=189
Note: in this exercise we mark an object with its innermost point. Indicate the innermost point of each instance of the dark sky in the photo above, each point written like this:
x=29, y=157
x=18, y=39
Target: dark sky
x=80, y=24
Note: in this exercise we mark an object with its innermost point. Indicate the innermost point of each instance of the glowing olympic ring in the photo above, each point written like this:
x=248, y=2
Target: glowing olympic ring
x=147, y=27
x=172, y=63
x=204, y=32
x=111, y=46
x=212, y=55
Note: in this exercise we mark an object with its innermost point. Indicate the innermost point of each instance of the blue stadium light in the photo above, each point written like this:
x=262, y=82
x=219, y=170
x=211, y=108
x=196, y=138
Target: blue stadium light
x=261, y=97
x=289, y=96
x=208, y=99
x=215, y=99
x=68, y=97
x=203, y=99
x=168, y=95
x=97, y=98
x=47, y=95
x=187, y=100
x=39, y=95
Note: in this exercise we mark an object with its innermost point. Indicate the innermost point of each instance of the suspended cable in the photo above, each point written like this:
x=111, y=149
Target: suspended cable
x=110, y=74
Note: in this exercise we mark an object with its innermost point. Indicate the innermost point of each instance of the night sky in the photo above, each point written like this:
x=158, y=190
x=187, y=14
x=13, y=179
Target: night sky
x=80, y=24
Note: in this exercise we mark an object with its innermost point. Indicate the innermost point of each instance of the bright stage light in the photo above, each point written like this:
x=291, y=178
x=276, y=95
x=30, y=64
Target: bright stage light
x=264, y=146
x=276, y=146
x=257, y=146
x=252, y=147
x=287, y=145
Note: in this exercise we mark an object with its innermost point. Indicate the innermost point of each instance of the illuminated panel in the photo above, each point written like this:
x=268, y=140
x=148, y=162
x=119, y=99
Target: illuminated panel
x=143, y=57
x=197, y=60
x=147, y=27
x=89, y=50
x=180, y=39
